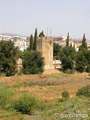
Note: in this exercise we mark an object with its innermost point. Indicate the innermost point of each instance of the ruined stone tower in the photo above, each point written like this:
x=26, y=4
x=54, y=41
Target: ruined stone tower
x=45, y=46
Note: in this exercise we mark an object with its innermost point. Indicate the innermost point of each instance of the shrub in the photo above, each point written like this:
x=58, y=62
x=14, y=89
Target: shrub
x=67, y=58
x=84, y=91
x=88, y=68
x=65, y=94
x=8, y=58
x=32, y=62
x=25, y=104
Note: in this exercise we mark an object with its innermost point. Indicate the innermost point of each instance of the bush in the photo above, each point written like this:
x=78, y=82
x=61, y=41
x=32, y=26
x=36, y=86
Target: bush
x=56, y=50
x=84, y=91
x=88, y=68
x=32, y=62
x=25, y=104
x=8, y=58
x=65, y=94
x=67, y=58
x=81, y=62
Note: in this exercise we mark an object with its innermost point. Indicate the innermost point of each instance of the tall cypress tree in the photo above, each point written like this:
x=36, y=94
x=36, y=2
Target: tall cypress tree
x=31, y=42
x=84, y=43
x=67, y=40
x=35, y=40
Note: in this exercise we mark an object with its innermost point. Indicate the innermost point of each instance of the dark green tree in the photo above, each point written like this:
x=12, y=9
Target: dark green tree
x=42, y=34
x=35, y=40
x=67, y=40
x=83, y=57
x=32, y=62
x=81, y=61
x=88, y=60
x=67, y=63
x=8, y=58
x=56, y=50
x=31, y=43
x=84, y=43
x=67, y=57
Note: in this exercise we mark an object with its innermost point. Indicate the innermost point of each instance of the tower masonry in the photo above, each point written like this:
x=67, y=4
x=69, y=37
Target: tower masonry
x=45, y=47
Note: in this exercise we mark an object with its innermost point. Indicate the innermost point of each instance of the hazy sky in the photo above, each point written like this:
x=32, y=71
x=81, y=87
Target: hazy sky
x=56, y=17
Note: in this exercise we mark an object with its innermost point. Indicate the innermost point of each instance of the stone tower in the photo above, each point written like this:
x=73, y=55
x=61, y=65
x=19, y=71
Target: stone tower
x=45, y=46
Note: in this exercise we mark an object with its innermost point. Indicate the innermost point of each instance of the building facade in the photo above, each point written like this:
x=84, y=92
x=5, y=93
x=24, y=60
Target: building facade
x=20, y=42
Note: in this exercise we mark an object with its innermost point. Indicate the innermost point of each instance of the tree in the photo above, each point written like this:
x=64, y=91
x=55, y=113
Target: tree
x=8, y=58
x=67, y=40
x=81, y=62
x=42, y=34
x=83, y=57
x=84, y=43
x=67, y=57
x=31, y=43
x=56, y=50
x=88, y=60
x=35, y=40
x=67, y=63
x=32, y=62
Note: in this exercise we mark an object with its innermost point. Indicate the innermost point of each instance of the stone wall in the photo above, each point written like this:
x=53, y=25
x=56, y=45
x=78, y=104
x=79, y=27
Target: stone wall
x=45, y=46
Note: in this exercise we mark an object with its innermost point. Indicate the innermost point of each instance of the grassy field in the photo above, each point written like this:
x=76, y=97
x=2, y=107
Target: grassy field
x=48, y=90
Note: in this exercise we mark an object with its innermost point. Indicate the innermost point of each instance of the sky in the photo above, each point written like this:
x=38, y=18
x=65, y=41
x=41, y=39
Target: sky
x=55, y=17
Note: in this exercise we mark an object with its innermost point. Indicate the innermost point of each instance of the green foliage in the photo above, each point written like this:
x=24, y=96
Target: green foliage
x=88, y=68
x=83, y=57
x=81, y=62
x=42, y=34
x=84, y=44
x=84, y=91
x=67, y=57
x=31, y=43
x=88, y=60
x=67, y=63
x=35, y=40
x=32, y=62
x=72, y=60
x=67, y=40
x=65, y=95
x=56, y=50
x=8, y=57
x=25, y=104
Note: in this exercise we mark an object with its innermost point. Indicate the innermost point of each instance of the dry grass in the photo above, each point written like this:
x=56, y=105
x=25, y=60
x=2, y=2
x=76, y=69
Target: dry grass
x=48, y=87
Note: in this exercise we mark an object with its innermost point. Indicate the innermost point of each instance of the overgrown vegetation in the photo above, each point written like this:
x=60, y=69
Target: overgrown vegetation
x=22, y=105
x=25, y=104
x=65, y=95
x=56, y=50
x=32, y=62
x=72, y=60
x=84, y=91
x=8, y=58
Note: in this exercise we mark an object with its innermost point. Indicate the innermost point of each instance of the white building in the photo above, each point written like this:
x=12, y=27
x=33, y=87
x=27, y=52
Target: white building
x=19, y=41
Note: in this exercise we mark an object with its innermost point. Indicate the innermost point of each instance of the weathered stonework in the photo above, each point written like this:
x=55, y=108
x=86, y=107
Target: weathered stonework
x=45, y=46
x=19, y=65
